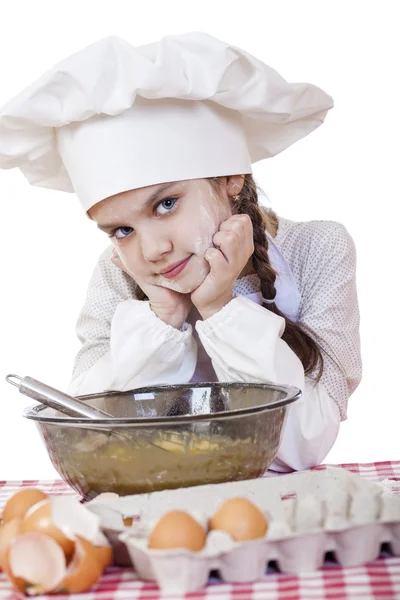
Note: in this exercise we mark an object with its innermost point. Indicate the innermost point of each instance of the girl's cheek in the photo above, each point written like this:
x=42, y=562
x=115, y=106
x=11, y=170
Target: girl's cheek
x=200, y=226
x=209, y=220
x=206, y=229
x=211, y=212
x=129, y=258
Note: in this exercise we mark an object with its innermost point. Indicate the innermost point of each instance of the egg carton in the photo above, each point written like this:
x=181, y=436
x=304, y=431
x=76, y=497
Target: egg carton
x=309, y=514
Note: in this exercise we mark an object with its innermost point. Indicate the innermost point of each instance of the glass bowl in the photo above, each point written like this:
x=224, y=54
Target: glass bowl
x=167, y=437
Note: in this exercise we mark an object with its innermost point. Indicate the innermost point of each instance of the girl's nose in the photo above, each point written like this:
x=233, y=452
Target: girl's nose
x=154, y=247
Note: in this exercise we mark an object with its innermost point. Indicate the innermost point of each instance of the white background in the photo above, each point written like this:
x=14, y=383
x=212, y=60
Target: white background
x=348, y=171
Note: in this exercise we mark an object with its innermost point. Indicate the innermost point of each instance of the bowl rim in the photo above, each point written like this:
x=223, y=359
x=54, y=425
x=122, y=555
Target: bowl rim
x=292, y=394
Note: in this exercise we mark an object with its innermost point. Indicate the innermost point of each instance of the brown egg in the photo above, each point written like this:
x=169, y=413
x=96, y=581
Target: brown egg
x=20, y=502
x=177, y=529
x=39, y=519
x=241, y=519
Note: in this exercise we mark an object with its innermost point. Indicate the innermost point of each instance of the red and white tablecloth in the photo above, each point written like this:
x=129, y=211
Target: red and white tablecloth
x=379, y=579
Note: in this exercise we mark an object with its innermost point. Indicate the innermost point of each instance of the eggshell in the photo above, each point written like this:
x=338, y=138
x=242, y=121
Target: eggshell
x=84, y=569
x=18, y=583
x=104, y=555
x=241, y=519
x=7, y=532
x=177, y=529
x=73, y=518
x=20, y=502
x=39, y=519
x=34, y=563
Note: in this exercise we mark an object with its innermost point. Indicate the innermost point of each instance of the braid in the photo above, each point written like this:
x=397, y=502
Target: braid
x=297, y=339
x=260, y=257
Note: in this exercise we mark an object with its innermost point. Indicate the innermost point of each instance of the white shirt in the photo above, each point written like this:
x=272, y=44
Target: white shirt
x=125, y=345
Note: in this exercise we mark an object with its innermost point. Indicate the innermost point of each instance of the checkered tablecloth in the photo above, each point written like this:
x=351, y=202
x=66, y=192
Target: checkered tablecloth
x=380, y=579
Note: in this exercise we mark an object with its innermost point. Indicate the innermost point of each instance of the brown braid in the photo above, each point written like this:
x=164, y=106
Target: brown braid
x=297, y=339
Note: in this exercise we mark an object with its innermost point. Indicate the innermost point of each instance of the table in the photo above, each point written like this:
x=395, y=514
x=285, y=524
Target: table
x=380, y=579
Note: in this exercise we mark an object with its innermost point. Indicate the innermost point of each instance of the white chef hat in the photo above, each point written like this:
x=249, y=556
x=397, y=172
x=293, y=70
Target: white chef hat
x=113, y=117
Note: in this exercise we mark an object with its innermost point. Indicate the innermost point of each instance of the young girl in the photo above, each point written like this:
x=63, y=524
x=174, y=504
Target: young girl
x=199, y=283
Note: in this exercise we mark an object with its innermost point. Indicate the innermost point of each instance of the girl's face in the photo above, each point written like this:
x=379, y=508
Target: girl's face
x=161, y=232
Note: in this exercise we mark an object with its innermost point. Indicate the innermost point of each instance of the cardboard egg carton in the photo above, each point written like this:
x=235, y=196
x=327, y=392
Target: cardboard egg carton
x=309, y=514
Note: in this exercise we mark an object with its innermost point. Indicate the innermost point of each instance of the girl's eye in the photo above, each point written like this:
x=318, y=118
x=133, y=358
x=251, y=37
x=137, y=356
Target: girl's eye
x=166, y=206
x=122, y=232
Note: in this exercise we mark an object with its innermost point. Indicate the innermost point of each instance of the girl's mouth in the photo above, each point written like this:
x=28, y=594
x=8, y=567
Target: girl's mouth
x=174, y=270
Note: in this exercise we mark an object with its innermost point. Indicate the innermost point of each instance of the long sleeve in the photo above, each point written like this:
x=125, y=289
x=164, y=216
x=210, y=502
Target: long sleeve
x=124, y=344
x=329, y=310
x=244, y=343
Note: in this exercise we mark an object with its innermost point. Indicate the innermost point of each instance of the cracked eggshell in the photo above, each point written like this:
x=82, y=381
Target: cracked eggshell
x=34, y=550
x=62, y=518
x=39, y=520
x=19, y=503
x=85, y=568
x=35, y=563
x=8, y=531
x=74, y=519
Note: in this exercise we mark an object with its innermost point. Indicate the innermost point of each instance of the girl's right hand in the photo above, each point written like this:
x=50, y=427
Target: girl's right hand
x=171, y=307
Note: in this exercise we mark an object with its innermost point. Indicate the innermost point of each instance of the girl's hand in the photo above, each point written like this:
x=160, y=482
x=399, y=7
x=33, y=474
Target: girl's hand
x=234, y=246
x=169, y=306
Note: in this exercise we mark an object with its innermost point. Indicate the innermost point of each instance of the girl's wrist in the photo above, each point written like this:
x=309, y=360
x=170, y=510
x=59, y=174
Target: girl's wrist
x=208, y=311
x=175, y=318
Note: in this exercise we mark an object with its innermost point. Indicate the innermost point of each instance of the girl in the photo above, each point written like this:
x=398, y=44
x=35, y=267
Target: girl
x=200, y=283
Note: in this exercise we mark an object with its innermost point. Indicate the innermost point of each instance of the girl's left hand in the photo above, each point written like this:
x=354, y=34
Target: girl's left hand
x=234, y=245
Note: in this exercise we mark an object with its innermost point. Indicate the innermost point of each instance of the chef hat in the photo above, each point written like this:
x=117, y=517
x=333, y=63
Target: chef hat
x=113, y=117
